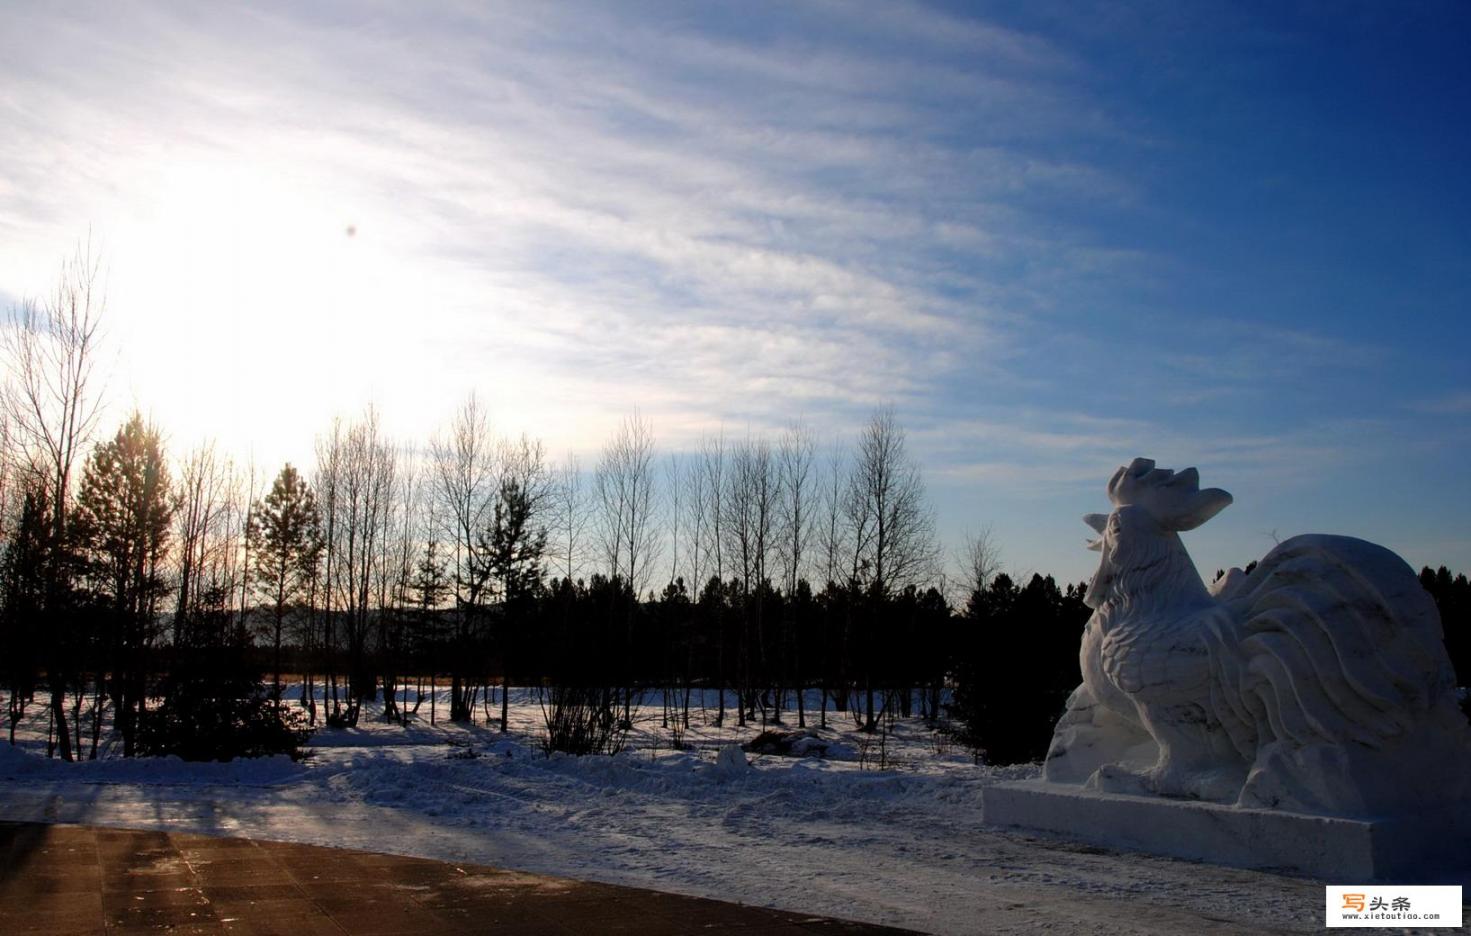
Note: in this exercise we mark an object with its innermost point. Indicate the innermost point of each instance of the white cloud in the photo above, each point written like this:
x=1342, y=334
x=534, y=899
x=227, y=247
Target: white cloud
x=540, y=196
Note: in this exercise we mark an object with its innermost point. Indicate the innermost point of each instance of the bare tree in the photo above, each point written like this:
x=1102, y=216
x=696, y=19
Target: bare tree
x=750, y=504
x=19, y=666
x=246, y=544
x=833, y=550
x=979, y=560
x=795, y=516
x=523, y=462
x=696, y=515
x=832, y=531
x=711, y=472
x=206, y=495
x=626, y=531
x=795, y=457
x=465, y=477
x=10, y=472
x=674, y=484
x=367, y=485
x=568, y=517
x=355, y=490
x=50, y=350
x=891, y=526
x=676, y=666
x=710, y=546
x=328, y=487
x=624, y=487
x=412, y=580
x=890, y=521
x=393, y=572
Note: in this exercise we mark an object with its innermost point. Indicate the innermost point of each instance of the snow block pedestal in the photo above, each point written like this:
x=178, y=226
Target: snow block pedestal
x=1430, y=848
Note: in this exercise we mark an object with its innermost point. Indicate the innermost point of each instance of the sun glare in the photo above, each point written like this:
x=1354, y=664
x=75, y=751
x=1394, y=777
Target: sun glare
x=230, y=278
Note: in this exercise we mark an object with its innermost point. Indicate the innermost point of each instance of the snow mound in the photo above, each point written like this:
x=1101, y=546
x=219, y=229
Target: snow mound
x=731, y=763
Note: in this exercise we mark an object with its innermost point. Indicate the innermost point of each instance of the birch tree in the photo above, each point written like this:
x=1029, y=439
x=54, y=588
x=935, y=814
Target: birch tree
x=891, y=527
x=795, y=518
x=51, y=404
x=464, y=472
x=624, y=486
x=568, y=518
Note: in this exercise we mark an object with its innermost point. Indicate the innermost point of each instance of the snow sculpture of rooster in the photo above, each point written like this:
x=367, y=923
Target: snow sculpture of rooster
x=1319, y=683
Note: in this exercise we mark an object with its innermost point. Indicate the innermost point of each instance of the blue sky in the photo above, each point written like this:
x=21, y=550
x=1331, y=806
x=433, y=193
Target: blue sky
x=1053, y=236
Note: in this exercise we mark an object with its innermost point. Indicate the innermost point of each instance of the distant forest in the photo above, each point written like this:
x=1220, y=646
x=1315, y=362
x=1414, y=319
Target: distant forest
x=170, y=598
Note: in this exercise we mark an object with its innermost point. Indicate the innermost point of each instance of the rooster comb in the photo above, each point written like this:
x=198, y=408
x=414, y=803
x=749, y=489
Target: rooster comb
x=1173, y=499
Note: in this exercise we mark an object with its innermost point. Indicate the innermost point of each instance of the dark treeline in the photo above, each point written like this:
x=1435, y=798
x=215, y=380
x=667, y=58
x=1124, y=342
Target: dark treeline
x=1017, y=664
x=1452, y=594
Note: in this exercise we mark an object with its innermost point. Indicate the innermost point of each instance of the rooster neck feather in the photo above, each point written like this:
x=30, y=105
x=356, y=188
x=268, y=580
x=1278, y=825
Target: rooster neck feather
x=1149, y=578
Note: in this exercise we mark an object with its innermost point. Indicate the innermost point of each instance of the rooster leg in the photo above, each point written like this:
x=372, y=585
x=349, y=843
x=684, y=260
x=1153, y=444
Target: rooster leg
x=1196, y=757
x=1196, y=760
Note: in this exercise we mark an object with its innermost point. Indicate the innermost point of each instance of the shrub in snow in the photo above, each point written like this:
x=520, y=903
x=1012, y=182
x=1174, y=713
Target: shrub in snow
x=581, y=720
x=216, y=709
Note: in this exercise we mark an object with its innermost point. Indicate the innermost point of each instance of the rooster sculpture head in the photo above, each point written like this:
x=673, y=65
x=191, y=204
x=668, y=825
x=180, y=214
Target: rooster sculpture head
x=1151, y=506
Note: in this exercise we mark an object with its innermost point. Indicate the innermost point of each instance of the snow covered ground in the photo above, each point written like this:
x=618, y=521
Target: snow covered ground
x=906, y=845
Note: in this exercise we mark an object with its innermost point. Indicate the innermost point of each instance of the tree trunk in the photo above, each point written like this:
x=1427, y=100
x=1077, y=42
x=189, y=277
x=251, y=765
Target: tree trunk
x=58, y=718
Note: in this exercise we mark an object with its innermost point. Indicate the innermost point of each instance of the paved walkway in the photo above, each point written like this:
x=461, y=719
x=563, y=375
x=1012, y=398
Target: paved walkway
x=63, y=879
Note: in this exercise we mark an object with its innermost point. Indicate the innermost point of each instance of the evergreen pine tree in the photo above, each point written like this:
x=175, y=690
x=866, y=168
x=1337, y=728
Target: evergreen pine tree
x=285, y=546
x=124, y=510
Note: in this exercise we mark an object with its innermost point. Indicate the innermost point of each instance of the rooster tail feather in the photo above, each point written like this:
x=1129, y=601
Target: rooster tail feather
x=1328, y=656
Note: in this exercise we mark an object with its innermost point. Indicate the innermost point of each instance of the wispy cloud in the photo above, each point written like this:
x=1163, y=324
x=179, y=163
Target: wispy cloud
x=748, y=218
x=1451, y=404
